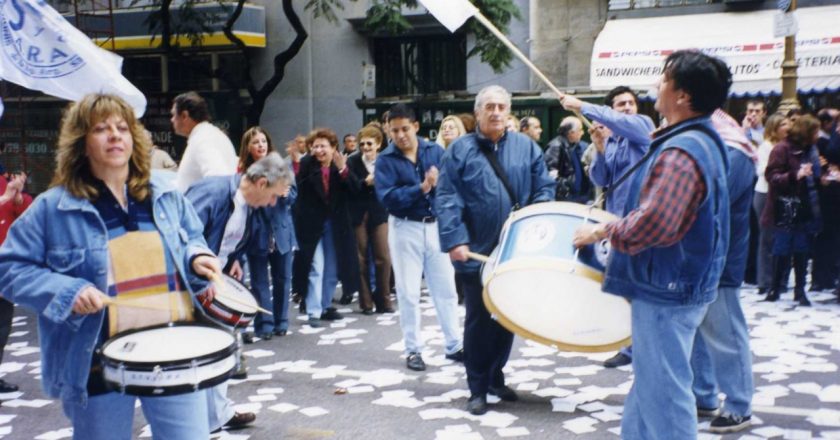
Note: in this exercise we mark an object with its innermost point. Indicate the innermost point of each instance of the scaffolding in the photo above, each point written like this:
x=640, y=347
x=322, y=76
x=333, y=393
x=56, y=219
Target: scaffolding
x=95, y=18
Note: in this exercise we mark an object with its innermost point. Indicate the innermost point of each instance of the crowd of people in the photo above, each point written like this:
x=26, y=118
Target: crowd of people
x=389, y=209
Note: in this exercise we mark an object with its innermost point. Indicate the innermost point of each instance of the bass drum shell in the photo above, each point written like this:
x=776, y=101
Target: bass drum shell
x=538, y=287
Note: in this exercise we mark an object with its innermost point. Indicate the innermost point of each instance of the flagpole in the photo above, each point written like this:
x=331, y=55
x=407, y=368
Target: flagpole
x=492, y=28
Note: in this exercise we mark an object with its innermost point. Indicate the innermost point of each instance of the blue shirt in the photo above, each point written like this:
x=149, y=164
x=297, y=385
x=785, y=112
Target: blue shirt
x=397, y=180
x=629, y=142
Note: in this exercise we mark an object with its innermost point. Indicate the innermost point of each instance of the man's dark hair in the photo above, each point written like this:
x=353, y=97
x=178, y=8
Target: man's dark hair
x=398, y=111
x=620, y=90
x=705, y=78
x=757, y=101
x=525, y=123
x=824, y=115
x=344, y=139
x=194, y=105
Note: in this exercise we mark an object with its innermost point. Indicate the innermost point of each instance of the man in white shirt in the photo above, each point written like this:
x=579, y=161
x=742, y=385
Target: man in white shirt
x=209, y=151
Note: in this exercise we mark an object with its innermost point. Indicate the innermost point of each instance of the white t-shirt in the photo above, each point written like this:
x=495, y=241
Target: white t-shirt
x=234, y=229
x=209, y=152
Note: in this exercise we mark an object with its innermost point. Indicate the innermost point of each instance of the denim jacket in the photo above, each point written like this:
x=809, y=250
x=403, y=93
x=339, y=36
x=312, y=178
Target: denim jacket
x=60, y=246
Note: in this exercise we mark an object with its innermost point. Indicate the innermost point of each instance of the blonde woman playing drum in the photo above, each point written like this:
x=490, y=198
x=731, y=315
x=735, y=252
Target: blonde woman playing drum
x=106, y=228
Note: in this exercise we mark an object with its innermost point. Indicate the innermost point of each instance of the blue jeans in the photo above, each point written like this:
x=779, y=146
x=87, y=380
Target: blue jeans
x=323, y=275
x=219, y=407
x=722, y=357
x=275, y=298
x=111, y=417
x=661, y=405
x=415, y=252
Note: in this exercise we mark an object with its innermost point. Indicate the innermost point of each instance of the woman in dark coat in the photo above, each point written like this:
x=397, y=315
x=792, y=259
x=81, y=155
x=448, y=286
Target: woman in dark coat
x=793, y=175
x=322, y=224
x=370, y=221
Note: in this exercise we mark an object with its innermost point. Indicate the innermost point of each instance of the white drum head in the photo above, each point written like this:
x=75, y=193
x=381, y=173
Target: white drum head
x=244, y=301
x=167, y=344
x=555, y=307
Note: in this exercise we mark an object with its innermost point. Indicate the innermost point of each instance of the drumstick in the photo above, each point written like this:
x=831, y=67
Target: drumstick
x=478, y=257
x=217, y=279
x=123, y=302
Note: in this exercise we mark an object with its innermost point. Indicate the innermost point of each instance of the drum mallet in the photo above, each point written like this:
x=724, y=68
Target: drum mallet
x=478, y=257
x=222, y=292
x=123, y=302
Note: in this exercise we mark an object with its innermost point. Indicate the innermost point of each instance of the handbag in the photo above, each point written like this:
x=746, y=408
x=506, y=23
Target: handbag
x=790, y=211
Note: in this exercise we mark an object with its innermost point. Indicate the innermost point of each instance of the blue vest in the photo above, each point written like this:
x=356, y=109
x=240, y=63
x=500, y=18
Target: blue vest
x=688, y=271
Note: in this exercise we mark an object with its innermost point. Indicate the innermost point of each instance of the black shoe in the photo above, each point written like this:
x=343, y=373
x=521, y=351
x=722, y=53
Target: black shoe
x=266, y=336
x=280, y=332
x=458, y=356
x=385, y=310
x=240, y=374
x=729, y=423
x=504, y=392
x=477, y=405
x=803, y=301
x=367, y=312
x=772, y=296
x=331, y=314
x=619, y=360
x=6, y=387
x=708, y=412
x=345, y=299
x=415, y=362
x=762, y=291
x=240, y=420
x=302, y=307
x=248, y=337
x=816, y=287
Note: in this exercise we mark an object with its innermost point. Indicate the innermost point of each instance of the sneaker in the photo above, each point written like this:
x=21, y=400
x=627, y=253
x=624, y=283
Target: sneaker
x=619, y=360
x=247, y=337
x=708, y=412
x=729, y=423
x=458, y=356
x=314, y=322
x=415, y=362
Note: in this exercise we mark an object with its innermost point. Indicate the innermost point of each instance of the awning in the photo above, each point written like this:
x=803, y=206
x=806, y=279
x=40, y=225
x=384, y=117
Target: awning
x=630, y=52
x=131, y=28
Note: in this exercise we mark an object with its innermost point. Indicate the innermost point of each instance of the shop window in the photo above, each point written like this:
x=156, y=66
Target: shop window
x=420, y=65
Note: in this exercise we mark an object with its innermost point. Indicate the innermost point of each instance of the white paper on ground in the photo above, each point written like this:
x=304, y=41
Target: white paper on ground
x=314, y=411
x=283, y=407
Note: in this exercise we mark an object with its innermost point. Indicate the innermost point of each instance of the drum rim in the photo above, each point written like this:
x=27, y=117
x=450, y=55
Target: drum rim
x=171, y=390
x=517, y=329
x=586, y=211
x=244, y=319
x=170, y=364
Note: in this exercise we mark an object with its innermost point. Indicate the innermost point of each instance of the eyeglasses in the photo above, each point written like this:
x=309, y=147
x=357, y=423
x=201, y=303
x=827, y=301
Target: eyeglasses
x=366, y=143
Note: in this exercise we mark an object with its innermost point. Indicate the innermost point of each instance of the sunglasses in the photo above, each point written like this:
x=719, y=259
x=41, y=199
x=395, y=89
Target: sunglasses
x=366, y=143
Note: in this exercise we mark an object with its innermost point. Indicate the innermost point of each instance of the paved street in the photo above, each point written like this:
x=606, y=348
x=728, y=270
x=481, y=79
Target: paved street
x=349, y=381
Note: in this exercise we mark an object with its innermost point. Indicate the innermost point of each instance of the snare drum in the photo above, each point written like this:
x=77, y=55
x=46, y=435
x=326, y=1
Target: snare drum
x=168, y=359
x=536, y=285
x=237, y=313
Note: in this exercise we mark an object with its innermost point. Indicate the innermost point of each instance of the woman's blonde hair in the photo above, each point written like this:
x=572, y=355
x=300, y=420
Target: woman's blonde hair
x=772, y=125
x=458, y=124
x=245, y=159
x=72, y=164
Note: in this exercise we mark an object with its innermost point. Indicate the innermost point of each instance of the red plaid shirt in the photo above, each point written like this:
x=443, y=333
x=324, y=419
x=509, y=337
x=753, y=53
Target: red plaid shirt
x=667, y=205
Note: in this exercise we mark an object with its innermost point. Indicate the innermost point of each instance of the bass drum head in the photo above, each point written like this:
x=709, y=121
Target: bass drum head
x=556, y=307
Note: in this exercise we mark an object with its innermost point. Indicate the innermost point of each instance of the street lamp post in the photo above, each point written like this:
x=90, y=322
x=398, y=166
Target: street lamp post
x=789, y=76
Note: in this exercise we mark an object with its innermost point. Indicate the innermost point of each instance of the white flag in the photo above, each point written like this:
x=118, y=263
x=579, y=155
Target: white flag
x=43, y=51
x=450, y=13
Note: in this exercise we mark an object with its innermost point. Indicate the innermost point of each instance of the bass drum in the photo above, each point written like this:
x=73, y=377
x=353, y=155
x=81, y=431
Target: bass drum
x=537, y=286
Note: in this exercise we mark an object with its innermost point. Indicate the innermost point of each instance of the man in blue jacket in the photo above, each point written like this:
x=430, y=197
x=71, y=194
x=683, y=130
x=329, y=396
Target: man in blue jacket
x=472, y=205
x=621, y=137
x=669, y=248
x=721, y=357
x=225, y=204
x=405, y=180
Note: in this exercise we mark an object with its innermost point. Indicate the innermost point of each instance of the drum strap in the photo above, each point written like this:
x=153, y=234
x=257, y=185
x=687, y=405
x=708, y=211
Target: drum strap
x=653, y=147
x=500, y=173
